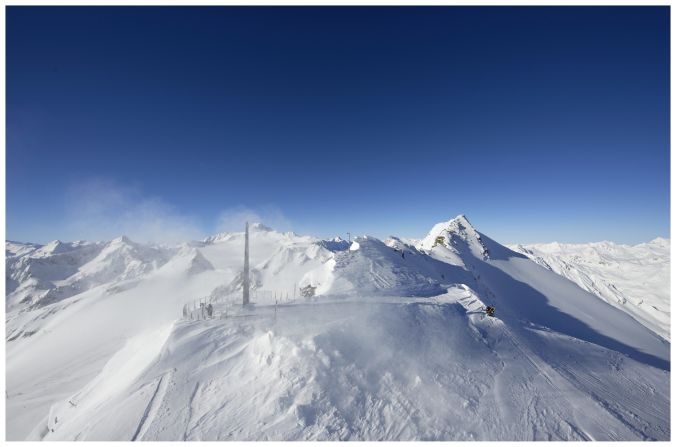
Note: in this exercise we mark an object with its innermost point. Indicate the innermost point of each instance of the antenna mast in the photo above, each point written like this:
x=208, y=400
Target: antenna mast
x=245, y=282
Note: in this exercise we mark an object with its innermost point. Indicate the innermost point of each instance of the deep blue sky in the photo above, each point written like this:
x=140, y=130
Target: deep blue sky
x=540, y=124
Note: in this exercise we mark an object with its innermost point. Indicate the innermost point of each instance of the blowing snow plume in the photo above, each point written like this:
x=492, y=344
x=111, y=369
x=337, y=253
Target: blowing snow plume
x=233, y=219
x=103, y=209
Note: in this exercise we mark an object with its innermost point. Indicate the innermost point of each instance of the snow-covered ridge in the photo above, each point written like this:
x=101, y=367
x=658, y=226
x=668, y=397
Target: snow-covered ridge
x=13, y=248
x=457, y=235
x=335, y=244
x=255, y=228
x=60, y=270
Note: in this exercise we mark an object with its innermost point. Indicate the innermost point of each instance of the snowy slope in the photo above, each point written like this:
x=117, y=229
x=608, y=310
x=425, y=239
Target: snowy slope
x=60, y=270
x=55, y=349
x=425, y=369
x=526, y=290
x=394, y=347
x=632, y=278
x=372, y=267
x=13, y=249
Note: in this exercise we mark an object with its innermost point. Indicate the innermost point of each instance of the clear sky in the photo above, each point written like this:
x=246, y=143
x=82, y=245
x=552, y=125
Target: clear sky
x=539, y=124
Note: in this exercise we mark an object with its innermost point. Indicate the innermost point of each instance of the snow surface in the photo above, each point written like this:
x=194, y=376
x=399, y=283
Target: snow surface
x=393, y=347
x=632, y=278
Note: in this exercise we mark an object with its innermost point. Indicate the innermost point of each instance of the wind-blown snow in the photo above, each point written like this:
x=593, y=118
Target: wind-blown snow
x=393, y=347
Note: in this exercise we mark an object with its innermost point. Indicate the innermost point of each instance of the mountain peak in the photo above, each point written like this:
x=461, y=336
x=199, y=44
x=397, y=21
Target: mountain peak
x=121, y=240
x=456, y=230
x=53, y=245
x=660, y=241
x=191, y=260
x=461, y=220
x=52, y=248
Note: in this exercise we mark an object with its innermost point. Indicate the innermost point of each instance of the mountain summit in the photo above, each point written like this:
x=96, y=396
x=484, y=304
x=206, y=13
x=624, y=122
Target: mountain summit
x=457, y=235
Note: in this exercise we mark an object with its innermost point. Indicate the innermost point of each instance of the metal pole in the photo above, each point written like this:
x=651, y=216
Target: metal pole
x=245, y=284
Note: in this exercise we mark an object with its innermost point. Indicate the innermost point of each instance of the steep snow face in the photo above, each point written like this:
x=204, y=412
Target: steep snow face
x=635, y=278
x=188, y=260
x=121, y=259
x=455, y=240
x=34, y=274
x=335, y=244
x=56, y=247
x=19, y=248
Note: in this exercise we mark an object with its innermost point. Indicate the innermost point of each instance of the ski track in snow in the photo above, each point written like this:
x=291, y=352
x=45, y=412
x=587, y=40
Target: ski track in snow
x=151, y=410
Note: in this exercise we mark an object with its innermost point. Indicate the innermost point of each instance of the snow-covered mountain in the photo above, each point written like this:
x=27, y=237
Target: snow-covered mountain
x=394, y=344
x=632, y=278
x=40, y=275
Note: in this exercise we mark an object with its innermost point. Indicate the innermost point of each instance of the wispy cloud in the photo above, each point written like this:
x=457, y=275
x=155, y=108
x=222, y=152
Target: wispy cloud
x=233, y=219
x=101, y=209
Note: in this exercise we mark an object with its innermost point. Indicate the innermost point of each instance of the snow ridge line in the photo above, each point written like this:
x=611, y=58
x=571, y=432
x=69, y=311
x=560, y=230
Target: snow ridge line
x=153, y=405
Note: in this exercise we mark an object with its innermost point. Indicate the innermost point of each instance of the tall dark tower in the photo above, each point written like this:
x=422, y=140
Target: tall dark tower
x=245, y=282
